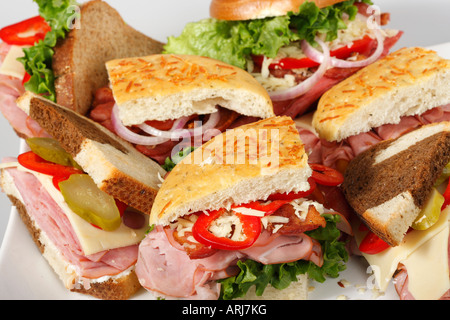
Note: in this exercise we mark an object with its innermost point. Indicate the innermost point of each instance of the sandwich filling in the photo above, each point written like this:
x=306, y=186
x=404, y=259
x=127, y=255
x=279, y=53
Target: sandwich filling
x=280, y=52
x=222, y=253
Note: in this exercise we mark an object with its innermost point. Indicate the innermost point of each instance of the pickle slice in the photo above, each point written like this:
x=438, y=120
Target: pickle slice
x=50, y=150
x=444, y=176
x=89, y=202
x=430, y=213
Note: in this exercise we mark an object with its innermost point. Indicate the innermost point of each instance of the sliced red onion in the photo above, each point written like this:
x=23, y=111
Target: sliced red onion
x=131, y=136
x=318, y=56
x=306, y=85
x=176, y=132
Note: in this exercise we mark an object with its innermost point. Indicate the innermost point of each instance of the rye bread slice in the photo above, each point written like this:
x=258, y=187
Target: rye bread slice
x=115, y=165
x=389, y=184
x=79, y=59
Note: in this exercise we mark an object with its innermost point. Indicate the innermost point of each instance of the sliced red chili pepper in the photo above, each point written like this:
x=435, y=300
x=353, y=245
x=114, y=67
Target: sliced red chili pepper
x=11, y=34
x=251, y=228
x=32, y=161
x=26, y=78
x=372, y=244
x=294, y=195
x=325, y=175
x=446, y=195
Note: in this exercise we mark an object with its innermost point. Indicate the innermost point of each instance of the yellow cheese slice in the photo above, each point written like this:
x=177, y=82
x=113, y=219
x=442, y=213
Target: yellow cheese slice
x=91, y=239
x=428, y=270
x=384, y=264
x=12, y=67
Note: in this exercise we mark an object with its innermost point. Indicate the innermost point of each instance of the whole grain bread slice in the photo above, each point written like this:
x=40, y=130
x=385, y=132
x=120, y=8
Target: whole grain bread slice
x=79, y=59
x=115, y=165
x=389, y=184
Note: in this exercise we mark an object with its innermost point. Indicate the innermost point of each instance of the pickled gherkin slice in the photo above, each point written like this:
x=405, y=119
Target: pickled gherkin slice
x=50, y=150
x=89, y=202
x=430, y=213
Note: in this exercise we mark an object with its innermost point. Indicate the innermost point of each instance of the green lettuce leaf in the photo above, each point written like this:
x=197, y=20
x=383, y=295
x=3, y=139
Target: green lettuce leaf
x=280, y=276
x=234, y=42
x=60, y=15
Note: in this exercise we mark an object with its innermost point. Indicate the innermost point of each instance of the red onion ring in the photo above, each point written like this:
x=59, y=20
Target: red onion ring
x=129, y=135
x=318, y=56
x=176, y=132
x=306, y=85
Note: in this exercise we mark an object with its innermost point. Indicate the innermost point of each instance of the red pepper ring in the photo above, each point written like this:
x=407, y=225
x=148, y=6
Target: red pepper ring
x=325, y=175
x=372, y=244
x=11, y=34
x=251, y=227
x=32, y=161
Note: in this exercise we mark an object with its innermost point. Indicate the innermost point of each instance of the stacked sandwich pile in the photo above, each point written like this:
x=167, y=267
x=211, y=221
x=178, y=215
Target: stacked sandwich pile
x=184, y=170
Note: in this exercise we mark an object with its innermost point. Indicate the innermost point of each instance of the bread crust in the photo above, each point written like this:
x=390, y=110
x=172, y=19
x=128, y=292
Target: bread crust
x=121, y=288
x=168, y=86
x=208, y=179
x=259, y=9
x=78, y=62
x=115, y=165
x=407, y=82
x=407, y=176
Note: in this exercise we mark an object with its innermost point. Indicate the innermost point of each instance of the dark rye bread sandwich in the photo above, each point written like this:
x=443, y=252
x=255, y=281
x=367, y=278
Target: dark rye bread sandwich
x=68, y=67
x=79, y=59
x=88, y=217
x=116, y=167
x=389, y=184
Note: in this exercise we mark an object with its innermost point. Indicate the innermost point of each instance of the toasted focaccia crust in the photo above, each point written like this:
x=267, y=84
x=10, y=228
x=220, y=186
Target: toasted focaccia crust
x=241, y=165
x=168, y=86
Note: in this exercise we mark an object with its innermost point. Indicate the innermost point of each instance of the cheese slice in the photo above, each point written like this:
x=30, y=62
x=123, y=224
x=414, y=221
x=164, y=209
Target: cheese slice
x=91, y=239
x=428, y=268
x=12, y=67
x=385, y=264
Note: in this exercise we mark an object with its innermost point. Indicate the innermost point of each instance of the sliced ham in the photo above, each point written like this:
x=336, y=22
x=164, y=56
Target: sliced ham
x=164, y=268
x=52, y=221
x=10, y=89
x=329, y=153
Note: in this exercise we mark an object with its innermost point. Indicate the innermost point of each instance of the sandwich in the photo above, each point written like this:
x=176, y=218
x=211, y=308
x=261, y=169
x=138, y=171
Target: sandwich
x=85, y=196
x=166, y=103
x=237, y=218
x=399, y=189
x=403, y=91
x=296, y=49
x=48, y=54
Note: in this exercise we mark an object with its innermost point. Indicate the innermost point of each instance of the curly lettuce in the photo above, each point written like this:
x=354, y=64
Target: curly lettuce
x=234, y=42
x=60, y=15
x=280, y=276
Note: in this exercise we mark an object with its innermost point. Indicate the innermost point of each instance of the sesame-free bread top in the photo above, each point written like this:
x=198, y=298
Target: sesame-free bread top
x=79, y=59
x=168, y=86
x=389, y=184
x=115, y=165
x=258, y=9
x=244, y=164
x=407, y=82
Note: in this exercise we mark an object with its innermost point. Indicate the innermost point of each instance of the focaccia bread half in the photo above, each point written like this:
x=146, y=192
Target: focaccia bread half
x=166, y=86
x=407, y=82
x=262, y=158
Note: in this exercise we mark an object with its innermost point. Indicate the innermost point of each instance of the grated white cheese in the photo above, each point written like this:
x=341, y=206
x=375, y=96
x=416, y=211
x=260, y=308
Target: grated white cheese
x=301, y=207
x=249, y=211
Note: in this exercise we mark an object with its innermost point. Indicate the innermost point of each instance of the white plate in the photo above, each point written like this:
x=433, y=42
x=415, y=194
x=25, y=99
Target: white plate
x=24, y=273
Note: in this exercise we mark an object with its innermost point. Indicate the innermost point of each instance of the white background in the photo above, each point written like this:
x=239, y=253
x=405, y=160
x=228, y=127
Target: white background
x=425, y=23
